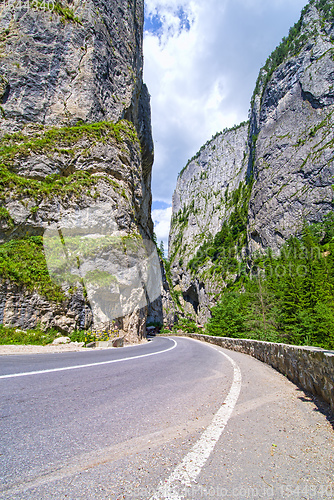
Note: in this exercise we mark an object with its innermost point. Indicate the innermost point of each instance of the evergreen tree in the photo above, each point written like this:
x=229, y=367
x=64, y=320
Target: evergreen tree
x=287, y=298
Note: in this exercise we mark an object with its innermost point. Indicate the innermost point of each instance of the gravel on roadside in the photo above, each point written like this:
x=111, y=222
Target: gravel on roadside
x=37, y=349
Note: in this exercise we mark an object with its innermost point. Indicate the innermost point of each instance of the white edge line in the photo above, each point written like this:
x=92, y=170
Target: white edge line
x=51, y=370
x=192, y=464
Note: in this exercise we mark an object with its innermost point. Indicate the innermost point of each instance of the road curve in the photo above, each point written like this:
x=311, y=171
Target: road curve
x=73, y=362
x=117, y=424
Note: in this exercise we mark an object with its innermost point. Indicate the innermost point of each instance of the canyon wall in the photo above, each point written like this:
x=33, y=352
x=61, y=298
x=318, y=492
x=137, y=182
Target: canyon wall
x=259, y=183
x=76, y=154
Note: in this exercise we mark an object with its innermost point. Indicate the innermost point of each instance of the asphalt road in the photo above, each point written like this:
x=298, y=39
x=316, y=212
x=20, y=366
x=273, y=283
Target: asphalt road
x=168, y=419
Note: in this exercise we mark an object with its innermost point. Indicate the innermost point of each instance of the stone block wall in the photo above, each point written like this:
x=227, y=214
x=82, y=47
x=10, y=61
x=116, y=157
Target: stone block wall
x=311, y=368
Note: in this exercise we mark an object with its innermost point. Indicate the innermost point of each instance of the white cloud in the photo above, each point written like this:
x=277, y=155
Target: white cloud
x=161, y=219
x=201, y=64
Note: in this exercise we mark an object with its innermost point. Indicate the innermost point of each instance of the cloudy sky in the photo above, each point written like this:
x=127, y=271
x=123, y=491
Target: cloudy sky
x=201, y=61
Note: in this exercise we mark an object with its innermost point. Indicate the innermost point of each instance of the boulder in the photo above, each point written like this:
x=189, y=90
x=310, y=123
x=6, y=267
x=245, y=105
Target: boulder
x=119, y=342
x=61, y=340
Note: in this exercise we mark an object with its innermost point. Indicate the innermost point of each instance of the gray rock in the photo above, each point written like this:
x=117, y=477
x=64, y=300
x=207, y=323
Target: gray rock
x=288, y=150
x=293, y=156
x=89, y=70
x=61, y=340
x=119, y=342
x=28, y=309
x=199, y=208
x=56, y=73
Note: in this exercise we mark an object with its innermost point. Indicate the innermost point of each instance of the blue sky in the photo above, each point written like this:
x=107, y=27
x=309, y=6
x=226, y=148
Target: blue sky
x=201, y=61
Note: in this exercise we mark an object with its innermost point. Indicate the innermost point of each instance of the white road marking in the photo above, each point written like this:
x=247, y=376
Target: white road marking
x=25, y=374
x=175, y=487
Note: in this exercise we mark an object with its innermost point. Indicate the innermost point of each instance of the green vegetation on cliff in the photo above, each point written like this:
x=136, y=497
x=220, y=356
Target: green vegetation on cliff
x=325, y=7
x=52, y=186
x=292, y=44
x=22, y=261
x=65, y=13
x=223, y=251
x=289, y=298
x=181, y=219
x=63, y=140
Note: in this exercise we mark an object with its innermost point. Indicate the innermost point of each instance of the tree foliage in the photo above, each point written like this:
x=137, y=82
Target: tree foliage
x=223, y=250
x=287, y=298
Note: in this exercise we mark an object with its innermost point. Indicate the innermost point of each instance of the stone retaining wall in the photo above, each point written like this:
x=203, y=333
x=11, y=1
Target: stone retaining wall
x=311, y=368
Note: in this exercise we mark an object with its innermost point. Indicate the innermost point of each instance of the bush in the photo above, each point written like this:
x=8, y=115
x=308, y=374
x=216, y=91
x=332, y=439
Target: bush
x=228, y=317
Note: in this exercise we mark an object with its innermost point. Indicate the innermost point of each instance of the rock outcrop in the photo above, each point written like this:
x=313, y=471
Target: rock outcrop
x=281, y=163
x=292, y=126
x=200, y=205
x=75, y=139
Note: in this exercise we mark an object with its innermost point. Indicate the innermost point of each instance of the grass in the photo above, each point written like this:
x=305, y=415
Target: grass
x=66, y=14
x=22, y=261
x=56, y=140
x=5, y=215
x=66, y=140
x=36, y=336
x=14, y=335
x=16, y=186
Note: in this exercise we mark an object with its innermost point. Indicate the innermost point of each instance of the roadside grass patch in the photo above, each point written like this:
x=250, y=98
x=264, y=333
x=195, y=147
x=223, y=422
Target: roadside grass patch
x=16, y=336
x=36, y=336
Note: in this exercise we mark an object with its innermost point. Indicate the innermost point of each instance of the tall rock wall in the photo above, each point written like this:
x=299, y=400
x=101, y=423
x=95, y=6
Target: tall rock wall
x=201, y=202
x=75, y=142
x=282, y=161
x=292, y=126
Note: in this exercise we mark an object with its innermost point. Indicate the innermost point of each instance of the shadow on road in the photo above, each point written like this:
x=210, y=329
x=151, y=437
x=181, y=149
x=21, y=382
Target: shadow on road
x=322, y=406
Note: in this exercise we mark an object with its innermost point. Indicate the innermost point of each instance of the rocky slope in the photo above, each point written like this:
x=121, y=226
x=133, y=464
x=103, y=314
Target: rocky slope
x=282, y=161
x=76, y=153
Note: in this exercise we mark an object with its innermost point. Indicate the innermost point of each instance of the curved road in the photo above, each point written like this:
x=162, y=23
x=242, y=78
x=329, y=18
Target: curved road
x=172, y=419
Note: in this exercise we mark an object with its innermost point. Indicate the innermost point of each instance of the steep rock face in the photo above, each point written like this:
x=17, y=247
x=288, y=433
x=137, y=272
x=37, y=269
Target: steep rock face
x=81, y=62
x=200, y=205
x=75, y=135
x=203, y=187
x=285, y=177
x=293, y=123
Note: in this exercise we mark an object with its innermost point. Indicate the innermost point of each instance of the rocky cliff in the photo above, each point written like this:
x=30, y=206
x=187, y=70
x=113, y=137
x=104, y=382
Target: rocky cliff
x=251, y=188
x=201, y=202
x=76, y=153
x=292, y=131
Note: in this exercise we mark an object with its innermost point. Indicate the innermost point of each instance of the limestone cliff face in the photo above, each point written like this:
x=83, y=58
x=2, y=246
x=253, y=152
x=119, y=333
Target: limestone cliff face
x=75, y=138
x=80, y=61
x=200, y=205
x=203, y=187
x=292, y=119
x=284, y=157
